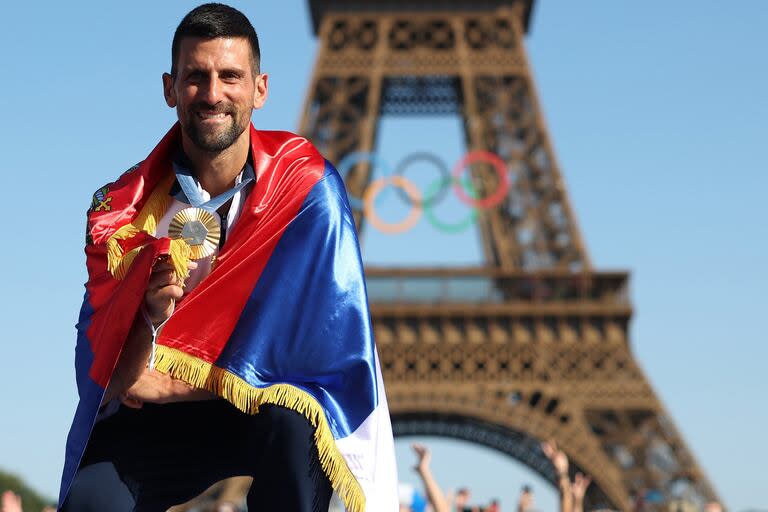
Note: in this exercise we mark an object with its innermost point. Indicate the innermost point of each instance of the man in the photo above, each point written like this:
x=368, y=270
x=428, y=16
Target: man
x=225, y=265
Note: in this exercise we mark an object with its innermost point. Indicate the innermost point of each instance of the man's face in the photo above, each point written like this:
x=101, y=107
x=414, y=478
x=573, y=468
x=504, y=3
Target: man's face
x=214, y=90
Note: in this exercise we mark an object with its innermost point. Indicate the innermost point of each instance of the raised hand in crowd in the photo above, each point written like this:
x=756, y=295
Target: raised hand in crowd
x=559, y=460
x=579, y=488
x=11, y=502
x=434, y=493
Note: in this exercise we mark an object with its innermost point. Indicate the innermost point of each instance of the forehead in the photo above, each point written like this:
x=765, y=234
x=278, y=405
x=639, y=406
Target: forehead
x=216, y=53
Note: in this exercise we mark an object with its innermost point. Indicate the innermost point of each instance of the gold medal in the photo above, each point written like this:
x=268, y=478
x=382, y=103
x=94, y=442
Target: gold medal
x=199, y=228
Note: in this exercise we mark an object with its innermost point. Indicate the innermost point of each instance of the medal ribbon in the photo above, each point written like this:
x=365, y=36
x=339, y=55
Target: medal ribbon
x=192, y=193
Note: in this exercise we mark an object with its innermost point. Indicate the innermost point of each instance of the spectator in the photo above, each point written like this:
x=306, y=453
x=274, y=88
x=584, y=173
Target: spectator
x=525, y=502
x=11, y=502
x=410, y=499
x=462, y=499
x=559, y=460
x=434, y=493
x=579, y=488
x=571, y=493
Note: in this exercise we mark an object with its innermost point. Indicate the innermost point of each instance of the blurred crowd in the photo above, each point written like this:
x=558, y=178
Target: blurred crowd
x=433, y=499
x=571, y=487
x=226, y=496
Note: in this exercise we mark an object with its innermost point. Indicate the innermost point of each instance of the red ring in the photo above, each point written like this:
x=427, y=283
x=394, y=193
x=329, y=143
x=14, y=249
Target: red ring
x=501, y=171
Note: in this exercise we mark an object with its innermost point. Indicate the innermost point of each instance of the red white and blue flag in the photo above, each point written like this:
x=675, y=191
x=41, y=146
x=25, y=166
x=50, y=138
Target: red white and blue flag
x=281, y=319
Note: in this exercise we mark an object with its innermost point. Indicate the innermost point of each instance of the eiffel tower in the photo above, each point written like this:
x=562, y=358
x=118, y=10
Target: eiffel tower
x=532, y=345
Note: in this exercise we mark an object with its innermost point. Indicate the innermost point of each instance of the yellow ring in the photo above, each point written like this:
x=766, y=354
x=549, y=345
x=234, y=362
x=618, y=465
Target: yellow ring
x=409, y=188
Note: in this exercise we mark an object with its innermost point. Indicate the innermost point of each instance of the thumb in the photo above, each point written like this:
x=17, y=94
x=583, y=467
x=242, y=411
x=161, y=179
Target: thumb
x=131, y=402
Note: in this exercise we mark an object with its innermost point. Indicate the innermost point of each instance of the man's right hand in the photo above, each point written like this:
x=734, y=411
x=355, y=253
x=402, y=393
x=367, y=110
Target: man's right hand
x=163, y=290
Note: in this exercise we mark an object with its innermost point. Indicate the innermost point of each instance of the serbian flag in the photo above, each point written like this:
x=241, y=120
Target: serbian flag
x=281, y=319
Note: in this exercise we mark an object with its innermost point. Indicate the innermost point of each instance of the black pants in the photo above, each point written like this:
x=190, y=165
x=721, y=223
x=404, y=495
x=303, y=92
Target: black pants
x=146, y=460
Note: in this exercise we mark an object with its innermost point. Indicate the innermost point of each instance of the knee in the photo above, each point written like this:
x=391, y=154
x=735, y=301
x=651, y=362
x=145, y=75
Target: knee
x=97, y=488
x=286, y=425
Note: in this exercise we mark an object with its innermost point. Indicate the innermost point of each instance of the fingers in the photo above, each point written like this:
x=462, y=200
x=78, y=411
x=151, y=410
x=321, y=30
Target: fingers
x=160, y=280
x=164, y=288
x=160, y=301
x=131, y=402
x=580, y=485
x=421, y=450
x=164, y=263
x=548, y=449
x=164, y=285
x=164, y=272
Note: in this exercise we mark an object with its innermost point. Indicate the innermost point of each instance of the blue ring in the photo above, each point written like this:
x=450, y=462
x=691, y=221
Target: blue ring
x=354, y=158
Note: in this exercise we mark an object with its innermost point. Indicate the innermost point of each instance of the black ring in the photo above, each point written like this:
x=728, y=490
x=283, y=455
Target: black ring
x=437, y=162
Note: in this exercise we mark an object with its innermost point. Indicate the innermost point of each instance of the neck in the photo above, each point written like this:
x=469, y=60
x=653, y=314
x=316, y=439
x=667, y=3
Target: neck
x=217, y=171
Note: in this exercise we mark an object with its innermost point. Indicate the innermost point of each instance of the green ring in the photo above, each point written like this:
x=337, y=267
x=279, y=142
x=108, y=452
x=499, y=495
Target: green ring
x=450, y=228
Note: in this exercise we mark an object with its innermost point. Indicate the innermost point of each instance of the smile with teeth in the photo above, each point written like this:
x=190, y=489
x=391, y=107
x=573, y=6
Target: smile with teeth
x=211, y=115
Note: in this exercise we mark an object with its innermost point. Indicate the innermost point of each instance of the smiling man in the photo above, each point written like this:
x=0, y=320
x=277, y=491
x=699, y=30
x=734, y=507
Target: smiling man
x=225, y=327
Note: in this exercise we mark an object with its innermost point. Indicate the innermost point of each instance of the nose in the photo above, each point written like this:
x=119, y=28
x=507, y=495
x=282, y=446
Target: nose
x=211, y=92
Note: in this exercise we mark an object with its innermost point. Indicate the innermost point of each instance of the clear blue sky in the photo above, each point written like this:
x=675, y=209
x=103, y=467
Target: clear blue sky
x=657, y=112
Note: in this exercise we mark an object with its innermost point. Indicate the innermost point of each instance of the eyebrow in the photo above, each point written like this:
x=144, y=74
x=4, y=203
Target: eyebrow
x=232, y=71
x=226, y=71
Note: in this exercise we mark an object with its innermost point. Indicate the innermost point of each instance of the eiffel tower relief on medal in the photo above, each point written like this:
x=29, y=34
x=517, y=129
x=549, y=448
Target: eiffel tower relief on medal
x=542, y=350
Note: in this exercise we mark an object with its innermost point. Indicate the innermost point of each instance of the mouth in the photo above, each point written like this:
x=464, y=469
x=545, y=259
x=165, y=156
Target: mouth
x=211, y=117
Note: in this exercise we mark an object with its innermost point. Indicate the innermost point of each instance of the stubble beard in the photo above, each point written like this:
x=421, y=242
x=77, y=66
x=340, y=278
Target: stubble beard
x=215, y=139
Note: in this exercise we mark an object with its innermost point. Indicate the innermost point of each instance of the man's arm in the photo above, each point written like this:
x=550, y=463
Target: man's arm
x=132, y=361
x=132, y=381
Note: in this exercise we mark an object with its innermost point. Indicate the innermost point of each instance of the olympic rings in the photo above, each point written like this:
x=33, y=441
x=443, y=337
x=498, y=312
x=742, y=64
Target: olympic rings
x=501, y=171
x=355, y=158
x=450, y=228
x=409, y=188
x=435, y=191
x=437, y=162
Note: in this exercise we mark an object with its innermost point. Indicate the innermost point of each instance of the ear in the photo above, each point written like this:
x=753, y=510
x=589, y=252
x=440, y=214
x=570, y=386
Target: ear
x=168, y=92
x=260, y=91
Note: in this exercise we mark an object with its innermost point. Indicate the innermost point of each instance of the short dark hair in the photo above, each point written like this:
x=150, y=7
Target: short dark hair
x=214, y=20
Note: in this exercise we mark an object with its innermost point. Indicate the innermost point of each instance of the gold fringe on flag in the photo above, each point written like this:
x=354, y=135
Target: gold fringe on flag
x=118, y=263
x=247, y=398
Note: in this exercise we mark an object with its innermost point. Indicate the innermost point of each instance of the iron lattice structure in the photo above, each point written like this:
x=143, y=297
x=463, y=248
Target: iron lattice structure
x=533, y=345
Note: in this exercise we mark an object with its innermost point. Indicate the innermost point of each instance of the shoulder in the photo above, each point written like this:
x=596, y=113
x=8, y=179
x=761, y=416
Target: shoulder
x=102, y=198
x=329, y=193
x=288, y=144
x=295, y=159
x=106, y=204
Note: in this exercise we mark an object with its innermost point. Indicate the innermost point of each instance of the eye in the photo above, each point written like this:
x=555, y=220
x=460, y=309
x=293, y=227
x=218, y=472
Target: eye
x=194, y=77
x=230, y=76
